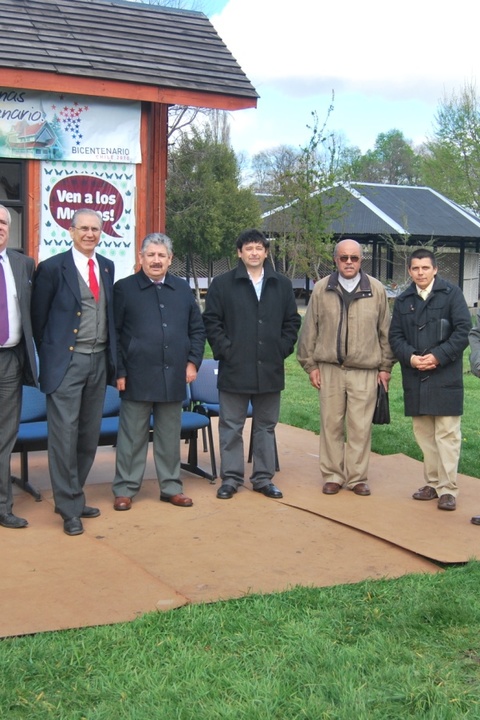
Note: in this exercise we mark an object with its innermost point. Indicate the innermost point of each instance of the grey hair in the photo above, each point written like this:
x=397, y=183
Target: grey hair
x=86, y=211
x=157, y=239
x=9, y=216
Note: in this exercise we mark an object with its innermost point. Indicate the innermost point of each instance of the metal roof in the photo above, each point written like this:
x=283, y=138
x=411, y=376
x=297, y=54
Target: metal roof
x=120, y=41
x=406, y=210
x=369, y=212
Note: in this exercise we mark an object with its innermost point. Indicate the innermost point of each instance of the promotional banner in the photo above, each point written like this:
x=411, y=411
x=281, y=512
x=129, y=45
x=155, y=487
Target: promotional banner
x=106, y=188
x=49, y=126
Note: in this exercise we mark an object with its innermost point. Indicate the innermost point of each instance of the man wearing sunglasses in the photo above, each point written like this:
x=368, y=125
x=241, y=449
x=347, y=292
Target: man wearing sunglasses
x=344, y=348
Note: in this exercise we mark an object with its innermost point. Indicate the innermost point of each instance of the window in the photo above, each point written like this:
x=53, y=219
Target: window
x=12, y=196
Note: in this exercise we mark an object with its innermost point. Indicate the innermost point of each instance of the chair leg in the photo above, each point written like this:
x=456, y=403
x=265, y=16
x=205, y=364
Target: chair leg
x=192, y=465
x=22, y=482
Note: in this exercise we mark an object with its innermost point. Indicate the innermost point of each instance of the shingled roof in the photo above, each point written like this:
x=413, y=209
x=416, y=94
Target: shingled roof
x=148, y=45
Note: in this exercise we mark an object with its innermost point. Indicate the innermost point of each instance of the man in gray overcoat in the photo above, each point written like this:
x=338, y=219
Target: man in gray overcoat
x=428, y=334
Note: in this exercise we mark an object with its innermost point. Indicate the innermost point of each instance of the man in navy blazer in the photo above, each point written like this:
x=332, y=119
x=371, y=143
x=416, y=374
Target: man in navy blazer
x=17, y=357
x=73, y=326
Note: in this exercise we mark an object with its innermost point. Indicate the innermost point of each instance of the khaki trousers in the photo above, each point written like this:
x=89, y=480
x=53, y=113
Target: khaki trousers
x=439, y=438
x=347, y=403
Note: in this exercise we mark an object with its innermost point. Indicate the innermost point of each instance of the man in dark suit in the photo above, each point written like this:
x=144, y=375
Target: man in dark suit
x=72, y=319
x=160, y=346
x=17, y=357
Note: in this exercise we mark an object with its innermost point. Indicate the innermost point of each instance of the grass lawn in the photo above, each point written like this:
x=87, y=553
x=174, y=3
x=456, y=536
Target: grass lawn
x=300, y=407
x=376, y=650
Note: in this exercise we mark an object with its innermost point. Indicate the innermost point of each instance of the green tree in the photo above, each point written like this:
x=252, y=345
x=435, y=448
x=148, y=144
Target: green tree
x=451, y=159
x=393, y=161
x=206, y=206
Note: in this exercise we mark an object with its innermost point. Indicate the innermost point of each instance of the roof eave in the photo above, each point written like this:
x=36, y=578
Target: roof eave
x=44, y=81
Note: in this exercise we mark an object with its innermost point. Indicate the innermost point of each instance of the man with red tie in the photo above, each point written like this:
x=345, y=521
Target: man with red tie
x=73, y=326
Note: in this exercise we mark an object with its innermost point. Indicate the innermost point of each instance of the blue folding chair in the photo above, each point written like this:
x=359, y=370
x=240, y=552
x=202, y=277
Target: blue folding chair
x=192, y=422
x=32, y=434
x=205, y=398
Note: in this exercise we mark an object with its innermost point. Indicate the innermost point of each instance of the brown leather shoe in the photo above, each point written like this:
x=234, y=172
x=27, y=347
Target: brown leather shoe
x=425, y=493
x=122, y=503
x=447, y=502
x=180, y=500
x=331, y=488
x=475, y=520
x=361, y=489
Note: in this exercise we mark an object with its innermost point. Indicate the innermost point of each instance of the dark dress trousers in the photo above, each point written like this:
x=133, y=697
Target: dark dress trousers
x=74, y=382
x=17, y=368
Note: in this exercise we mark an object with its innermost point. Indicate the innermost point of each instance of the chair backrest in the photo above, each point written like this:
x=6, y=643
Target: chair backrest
x=34, y=405
x=111, y=404
x=204, y=388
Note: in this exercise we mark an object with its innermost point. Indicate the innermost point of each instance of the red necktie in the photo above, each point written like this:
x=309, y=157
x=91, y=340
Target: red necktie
x=92, y=280
x=4, y=329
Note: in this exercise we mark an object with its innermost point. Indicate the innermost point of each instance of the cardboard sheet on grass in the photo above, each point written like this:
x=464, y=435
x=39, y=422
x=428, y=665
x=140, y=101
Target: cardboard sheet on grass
x=158, y=557
x=390, y=512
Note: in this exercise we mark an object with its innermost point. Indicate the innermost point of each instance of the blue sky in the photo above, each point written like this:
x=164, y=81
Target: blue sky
x=388, y=65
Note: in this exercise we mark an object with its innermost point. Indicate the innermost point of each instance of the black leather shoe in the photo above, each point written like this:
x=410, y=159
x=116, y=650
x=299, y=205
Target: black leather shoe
x=9, y=520
x=225, y=492
x=73, y=526
x=90, y=512
x=270, y=491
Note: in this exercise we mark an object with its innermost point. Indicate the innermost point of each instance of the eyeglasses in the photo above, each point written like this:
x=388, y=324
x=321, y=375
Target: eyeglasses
x=346, y=258
x=85, y=228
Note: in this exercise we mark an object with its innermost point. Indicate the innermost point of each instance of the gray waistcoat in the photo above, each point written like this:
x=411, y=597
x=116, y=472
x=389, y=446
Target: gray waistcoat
x=92, y=334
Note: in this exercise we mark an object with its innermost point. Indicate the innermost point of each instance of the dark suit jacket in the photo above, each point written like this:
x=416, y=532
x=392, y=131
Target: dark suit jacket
x=56, y=315
x=159, y=330
x=23, y=268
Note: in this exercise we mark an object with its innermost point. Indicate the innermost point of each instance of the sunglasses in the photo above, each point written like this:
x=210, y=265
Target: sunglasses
x=346, y=258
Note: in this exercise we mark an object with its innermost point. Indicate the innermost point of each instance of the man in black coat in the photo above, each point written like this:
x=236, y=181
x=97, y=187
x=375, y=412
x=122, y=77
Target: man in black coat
x=252, y=324
x=17, y=357
x=72, y=319
x=160, y=340
x=428, y=334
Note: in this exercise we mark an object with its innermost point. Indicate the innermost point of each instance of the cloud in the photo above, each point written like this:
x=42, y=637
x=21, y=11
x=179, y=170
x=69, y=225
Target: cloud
x=418, y=49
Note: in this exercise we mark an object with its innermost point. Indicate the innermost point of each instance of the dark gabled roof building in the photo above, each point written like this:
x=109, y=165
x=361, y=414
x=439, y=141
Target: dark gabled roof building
x=385, y=217
x=420, y=214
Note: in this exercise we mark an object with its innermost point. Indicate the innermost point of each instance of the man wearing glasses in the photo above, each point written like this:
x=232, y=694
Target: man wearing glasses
x=344, y=348
x=74, y=330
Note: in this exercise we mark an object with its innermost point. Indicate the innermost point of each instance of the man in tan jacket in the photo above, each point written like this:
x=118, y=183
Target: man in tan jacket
x=343, y=346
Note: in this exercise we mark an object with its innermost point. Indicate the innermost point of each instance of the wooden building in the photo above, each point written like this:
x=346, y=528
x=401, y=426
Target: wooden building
x=84, y=98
